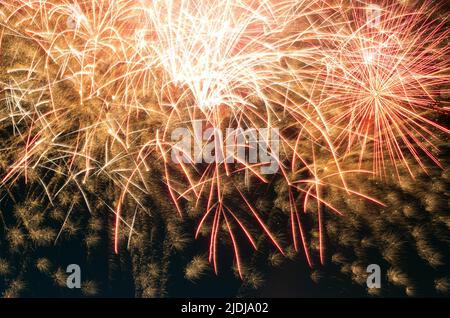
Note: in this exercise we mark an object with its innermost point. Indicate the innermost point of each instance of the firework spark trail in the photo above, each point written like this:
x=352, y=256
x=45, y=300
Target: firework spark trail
x=329, y=75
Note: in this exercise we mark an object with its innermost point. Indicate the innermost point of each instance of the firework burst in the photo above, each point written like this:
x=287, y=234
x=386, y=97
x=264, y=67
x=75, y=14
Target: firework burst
x=101, y=86
x=384, y=81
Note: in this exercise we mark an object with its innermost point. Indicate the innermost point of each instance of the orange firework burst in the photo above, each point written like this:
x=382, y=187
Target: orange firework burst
x=326, y=75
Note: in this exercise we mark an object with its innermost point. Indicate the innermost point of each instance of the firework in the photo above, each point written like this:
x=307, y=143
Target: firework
x=384, y=81
x=102, y=85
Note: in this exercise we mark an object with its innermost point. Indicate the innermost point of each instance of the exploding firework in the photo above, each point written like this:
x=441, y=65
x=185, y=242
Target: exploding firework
x=96, y=88
x=384, y=82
